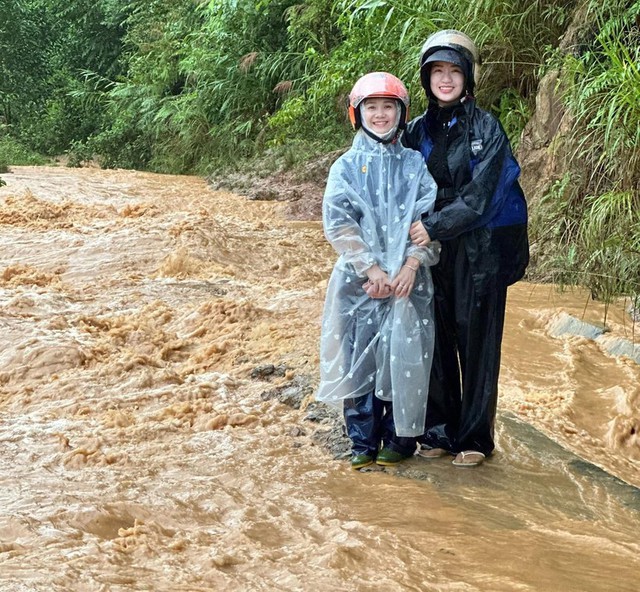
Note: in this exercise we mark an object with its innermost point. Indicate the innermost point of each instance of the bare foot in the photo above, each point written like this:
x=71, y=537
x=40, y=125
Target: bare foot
x=432, y=452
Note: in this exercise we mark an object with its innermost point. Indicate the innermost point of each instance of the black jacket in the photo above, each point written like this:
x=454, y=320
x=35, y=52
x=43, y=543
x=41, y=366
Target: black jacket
x=486, y=207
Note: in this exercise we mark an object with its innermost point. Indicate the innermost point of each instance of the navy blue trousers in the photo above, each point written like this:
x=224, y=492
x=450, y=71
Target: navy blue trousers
x=370, y=425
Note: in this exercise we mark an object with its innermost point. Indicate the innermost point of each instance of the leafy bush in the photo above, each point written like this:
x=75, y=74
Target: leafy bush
x=595, y=209
x=12, y=152
x=514, y=37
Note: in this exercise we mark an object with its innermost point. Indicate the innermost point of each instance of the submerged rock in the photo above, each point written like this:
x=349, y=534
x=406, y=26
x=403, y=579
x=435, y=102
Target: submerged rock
x=565, y=324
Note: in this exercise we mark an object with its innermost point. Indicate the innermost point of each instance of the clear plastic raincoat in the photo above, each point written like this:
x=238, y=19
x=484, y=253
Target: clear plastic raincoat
x=374, y=192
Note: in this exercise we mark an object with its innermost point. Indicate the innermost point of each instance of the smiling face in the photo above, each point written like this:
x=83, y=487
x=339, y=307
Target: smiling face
x=380, y=114
x=446, y=82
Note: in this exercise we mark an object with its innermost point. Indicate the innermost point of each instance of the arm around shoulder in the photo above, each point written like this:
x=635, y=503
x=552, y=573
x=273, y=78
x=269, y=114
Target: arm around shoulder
x=411, y=136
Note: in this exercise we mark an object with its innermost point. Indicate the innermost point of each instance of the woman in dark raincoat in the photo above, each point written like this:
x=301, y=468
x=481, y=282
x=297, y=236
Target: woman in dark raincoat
x=480, y=219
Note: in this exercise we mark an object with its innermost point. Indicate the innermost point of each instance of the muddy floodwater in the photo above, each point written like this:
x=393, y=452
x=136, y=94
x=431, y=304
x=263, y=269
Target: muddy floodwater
x=146, y=320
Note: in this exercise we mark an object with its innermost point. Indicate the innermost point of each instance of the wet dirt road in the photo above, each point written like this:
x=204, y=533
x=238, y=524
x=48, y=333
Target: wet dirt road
x=138, y=450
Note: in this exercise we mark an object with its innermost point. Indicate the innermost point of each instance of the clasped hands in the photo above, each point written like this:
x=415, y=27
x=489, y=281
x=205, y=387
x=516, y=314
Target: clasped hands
x=378, y=284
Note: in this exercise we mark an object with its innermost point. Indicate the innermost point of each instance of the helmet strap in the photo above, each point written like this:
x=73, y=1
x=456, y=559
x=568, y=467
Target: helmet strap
x=389, y=138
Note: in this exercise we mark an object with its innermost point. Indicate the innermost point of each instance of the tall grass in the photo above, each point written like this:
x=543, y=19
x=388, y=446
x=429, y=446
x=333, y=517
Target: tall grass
x=514, y=36
x=218, y=81
x=601, y=195
x=604, y=98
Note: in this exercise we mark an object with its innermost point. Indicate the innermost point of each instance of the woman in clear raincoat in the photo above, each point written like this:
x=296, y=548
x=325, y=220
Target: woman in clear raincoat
x=377, y=329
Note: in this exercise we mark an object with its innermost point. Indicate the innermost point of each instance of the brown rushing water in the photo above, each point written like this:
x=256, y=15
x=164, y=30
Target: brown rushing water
x=136, y=452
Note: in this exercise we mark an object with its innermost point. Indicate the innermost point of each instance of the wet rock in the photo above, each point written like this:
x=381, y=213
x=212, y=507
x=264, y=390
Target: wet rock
x=265, y=195
x=334, y=439
x=543, y=149
x=292, y=394
x=622, y=347
x=302, y=186
x=268, y=370
x=321, y=413
x=329, y=432
x=565, y=324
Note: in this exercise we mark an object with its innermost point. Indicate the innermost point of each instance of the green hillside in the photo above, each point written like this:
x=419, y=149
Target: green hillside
x=201, y=87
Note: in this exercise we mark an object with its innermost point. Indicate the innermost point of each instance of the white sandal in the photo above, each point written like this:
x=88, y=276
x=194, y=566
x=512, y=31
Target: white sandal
x=461, y=459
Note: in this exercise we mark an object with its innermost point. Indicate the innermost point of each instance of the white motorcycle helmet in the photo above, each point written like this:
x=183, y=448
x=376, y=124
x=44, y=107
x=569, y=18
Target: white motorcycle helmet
x=451, y=46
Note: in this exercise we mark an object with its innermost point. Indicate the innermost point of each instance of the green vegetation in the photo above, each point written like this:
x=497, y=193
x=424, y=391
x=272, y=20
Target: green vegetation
x=588, y=223
x=14, y=152
x=190, y=86
x=203, y=86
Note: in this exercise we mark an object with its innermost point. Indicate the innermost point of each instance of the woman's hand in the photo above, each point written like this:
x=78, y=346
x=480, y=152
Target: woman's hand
x=403, y=283
x=378, y=285
x=419, y=235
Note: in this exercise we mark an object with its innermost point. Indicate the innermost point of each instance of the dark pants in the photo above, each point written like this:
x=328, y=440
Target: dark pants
x=369, y=422
x=463, y=391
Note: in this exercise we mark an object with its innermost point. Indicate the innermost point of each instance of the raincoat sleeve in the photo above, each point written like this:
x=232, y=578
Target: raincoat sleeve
x=341, y=217
x=430, y=254
x=474, y=198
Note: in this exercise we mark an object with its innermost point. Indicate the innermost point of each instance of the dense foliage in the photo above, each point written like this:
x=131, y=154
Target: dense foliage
x=186, y=85
x=196, y=85
x=587, y=226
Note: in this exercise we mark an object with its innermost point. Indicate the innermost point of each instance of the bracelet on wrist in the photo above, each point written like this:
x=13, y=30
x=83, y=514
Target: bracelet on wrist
x=409, y=266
